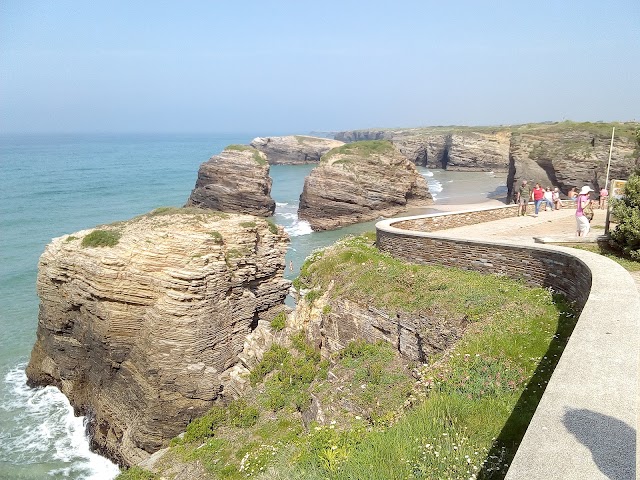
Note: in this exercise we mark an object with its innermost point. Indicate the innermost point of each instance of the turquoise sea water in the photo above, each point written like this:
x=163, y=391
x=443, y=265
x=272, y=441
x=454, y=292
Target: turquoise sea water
x=58, y=184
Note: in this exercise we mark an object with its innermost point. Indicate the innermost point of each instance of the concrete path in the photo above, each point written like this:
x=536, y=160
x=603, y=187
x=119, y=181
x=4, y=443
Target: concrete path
x=588, y=411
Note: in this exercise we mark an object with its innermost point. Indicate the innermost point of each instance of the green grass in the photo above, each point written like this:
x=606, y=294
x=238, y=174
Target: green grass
x=461, y=412
x=257, y=156
x=361, y=149
x=101, y=238
x=279, y=322
x=217, y=236
x=136, y=473
x=615, y=255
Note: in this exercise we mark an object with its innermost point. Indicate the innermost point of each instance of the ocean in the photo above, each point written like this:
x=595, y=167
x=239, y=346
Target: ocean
x=51, y=185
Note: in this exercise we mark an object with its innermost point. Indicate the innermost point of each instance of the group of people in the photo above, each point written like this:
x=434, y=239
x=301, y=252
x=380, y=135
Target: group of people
x=551, y=197
x=540, y=196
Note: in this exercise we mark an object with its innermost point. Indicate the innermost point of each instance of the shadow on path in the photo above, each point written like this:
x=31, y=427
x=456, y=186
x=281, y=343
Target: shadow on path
x=612, y=442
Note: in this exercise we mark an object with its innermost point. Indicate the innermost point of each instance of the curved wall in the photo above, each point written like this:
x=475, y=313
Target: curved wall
x=585, y=424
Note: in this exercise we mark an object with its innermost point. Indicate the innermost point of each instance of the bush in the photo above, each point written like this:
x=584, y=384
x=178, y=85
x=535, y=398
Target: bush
x=279, y=322
x=242, y=415
x=205, y=427
x=101, y=238
x=626, y=235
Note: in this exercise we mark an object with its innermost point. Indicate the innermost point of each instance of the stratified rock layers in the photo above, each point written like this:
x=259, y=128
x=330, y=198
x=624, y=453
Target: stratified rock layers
x=143, y=336
x=359, y=182
x=236, y=180
x=294, y=149
x=563, y=154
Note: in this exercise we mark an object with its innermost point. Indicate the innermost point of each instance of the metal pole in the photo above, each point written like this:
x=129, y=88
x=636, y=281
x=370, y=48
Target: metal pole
x=606, y=183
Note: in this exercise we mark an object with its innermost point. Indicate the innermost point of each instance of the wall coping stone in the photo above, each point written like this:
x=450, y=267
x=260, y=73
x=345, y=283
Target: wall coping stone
x=586, y=422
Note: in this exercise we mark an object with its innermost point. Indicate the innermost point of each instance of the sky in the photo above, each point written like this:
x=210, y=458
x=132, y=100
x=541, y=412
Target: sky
x=294, y=67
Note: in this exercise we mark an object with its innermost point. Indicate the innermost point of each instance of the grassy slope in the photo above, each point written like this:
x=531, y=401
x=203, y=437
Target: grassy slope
x=461, y=413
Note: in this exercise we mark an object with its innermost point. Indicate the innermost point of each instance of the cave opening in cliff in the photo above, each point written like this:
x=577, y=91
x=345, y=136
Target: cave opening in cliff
x=444, y=160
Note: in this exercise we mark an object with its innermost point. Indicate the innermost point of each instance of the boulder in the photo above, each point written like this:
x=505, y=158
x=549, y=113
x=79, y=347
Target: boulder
x=359, y=182
x=236, y=180
x=294, y=149
x=145, y=333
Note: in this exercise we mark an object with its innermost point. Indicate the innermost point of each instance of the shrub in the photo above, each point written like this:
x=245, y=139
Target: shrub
x=136, y=473
x=273, y=228
x=101, y=238
x=242, y=415
x=205, y=427
x=271, y=359
x=626, y=235
x=279, y=322
x=217, y=236
x=248, y=224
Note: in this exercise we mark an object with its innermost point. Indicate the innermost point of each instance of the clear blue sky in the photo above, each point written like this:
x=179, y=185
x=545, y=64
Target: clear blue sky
x=293, y=67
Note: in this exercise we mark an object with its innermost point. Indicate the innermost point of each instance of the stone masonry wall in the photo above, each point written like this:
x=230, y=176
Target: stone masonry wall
x=546, y=268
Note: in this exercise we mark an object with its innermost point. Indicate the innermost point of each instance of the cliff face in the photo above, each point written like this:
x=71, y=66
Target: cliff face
x=144, y=335
x=237, y=180
x=360, y=182
x=294, y=149
x=564, y=154
x=568, y=158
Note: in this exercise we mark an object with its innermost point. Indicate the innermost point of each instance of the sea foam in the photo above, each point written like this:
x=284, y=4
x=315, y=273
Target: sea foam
x=45, y=428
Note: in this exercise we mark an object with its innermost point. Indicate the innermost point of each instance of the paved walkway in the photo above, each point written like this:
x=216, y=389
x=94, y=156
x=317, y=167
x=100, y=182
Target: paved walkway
x=585, y=425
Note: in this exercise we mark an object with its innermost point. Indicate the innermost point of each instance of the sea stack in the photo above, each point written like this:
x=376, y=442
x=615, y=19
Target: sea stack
x=294, y=149
x=236, y=180
x=143, y=323
x=358, y=182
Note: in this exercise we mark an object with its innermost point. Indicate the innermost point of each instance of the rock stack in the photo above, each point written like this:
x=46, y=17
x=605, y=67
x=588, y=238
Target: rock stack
x=143, y=323
x=294, y=149
x=359, y=182
x=237, y=180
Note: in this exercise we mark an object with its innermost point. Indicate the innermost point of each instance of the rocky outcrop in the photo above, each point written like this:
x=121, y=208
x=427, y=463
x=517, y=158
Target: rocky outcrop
x=571, y=157
x=294, y=149
x=236, y=180
x=563, y=154
x=457, y=149
x=144, y=335
x=332, y=325
x=359, y=182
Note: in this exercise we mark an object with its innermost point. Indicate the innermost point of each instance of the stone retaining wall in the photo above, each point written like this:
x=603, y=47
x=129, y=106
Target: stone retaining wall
x=586, y=422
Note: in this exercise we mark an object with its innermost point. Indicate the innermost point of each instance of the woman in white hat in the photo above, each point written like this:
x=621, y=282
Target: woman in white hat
x=582, y=201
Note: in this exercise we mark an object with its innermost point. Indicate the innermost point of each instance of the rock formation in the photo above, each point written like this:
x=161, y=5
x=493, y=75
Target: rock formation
x=556, y=154
x=143, y=335
x=294, y=149
x=359, y=182
x=236, y=180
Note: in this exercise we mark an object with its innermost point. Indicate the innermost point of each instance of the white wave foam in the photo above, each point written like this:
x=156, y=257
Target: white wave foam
x=427, y=174
x=298, y=228
x=44, y=429
x=281, y=204
x=435, y=186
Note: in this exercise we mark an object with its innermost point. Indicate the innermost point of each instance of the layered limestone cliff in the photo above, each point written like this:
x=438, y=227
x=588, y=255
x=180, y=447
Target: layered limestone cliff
x=571, y=157
x=335, y=308
x=294, y=149
x=359, y=182
x=236, y=180
x=563, y=154
x=144, y=334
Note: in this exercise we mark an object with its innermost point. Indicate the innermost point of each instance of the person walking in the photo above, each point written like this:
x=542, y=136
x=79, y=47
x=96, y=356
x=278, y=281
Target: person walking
x=555, y=198
x=538, y=197
x=522, y=198
x=604, y=193
x=582, y=201
x=548, y=199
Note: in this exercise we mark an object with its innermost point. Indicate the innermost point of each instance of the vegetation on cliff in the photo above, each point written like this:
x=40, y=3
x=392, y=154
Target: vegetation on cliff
x=367, y=412
x=364, y=149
